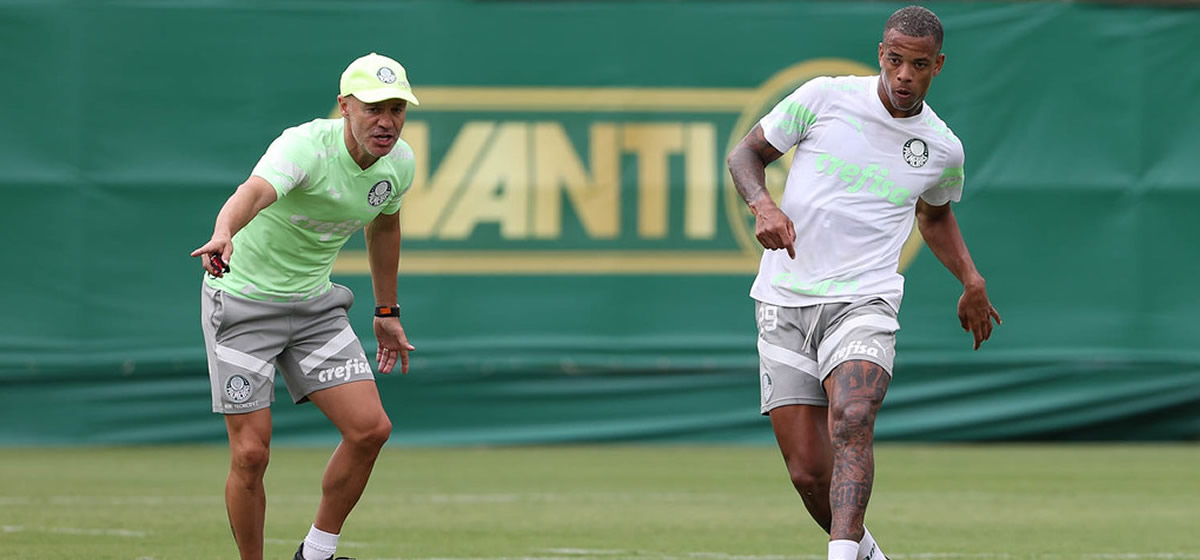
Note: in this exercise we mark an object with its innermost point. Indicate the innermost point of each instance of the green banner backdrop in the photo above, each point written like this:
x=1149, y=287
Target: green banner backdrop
x=576, y=264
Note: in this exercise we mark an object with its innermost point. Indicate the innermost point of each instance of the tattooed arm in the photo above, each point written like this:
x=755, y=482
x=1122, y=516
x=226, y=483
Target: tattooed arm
x=747, y=164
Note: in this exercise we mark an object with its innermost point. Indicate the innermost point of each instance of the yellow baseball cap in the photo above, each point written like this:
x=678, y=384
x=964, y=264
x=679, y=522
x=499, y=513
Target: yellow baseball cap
x=374, y=77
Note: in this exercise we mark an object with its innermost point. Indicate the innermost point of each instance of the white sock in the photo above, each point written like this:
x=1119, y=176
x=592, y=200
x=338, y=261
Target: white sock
x=319, y=545
x=842, y=549
x=868, y=549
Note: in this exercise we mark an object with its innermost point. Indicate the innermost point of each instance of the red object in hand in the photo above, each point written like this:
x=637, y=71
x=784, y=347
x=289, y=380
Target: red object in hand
x=217, y=263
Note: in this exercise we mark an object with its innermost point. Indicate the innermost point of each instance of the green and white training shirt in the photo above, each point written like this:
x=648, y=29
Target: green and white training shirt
x=852, y=190
x=286, y=252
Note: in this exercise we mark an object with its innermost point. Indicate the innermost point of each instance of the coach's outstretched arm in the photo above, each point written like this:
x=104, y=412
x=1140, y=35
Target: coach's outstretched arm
x=245, y=203
x=940, y=230
x=747, y=165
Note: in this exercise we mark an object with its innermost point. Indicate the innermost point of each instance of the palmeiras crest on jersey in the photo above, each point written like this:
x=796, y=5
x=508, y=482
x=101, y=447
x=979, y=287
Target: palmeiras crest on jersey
x=386, y=75
x=237, y=388
x=916, y=152
x=379, y=193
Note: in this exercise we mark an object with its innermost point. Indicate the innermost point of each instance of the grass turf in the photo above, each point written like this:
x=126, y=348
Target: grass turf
x=1098, y=502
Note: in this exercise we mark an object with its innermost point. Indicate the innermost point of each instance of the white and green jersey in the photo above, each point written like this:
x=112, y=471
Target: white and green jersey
x=287, y=251
x=852, y=191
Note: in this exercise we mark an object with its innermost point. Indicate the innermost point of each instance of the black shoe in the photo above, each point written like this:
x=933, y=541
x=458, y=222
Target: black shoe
x=300, y=555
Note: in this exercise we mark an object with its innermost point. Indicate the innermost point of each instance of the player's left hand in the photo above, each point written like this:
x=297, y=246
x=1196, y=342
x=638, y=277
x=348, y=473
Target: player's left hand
x=393, y=344
x=975, y=312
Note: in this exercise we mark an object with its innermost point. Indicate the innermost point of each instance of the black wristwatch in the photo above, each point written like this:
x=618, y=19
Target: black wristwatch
x=387, y=311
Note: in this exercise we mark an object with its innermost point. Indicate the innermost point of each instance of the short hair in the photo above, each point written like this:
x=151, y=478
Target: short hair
x=916, y=21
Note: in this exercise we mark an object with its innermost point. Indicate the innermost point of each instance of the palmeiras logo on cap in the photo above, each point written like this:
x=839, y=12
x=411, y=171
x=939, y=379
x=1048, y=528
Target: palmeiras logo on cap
x=237, y=388
x=767, y=387
x=916, y=152
x=386, y=75
x=379, y=193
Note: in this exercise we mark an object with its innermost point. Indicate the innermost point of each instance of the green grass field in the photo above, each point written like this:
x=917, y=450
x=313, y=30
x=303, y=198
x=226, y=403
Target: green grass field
x=701, y=503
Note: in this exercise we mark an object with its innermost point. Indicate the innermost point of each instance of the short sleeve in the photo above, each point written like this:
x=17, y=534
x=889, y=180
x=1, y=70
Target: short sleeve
x=949, y=186
x=790, y=121
x=287, y=162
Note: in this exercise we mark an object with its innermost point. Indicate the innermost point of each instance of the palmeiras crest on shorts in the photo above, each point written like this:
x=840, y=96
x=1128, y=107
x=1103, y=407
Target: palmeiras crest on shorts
x=237, y=388
x=379, y=193
x=767, y=387
x=916, y=152
x=386, y=75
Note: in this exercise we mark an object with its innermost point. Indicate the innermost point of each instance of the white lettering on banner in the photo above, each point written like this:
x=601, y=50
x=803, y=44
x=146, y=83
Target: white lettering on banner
x=514, y=174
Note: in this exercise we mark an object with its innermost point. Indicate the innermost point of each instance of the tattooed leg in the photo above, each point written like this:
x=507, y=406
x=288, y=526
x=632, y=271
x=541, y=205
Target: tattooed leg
x=855, y=389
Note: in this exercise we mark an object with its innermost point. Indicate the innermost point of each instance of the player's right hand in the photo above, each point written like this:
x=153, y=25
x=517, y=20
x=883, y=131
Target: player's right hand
x=774, y=229
x=216, y=246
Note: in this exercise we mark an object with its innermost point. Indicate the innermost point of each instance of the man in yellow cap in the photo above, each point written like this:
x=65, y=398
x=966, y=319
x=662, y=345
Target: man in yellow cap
x=270, y=304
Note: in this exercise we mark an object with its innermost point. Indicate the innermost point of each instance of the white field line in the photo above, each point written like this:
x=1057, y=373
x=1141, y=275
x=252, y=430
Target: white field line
x=112, y=500
x=1035, y=556
x=604, y=554
x=583, y=551
x=414, y=498
x=485, y=498
x=73, y=531
x=633, y=557
x=1139, y=556
x=291, y=498
x=296, y=542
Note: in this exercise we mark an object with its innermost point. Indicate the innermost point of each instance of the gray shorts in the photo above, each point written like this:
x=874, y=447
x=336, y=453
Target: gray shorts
x=310, y=342
x=799, y=346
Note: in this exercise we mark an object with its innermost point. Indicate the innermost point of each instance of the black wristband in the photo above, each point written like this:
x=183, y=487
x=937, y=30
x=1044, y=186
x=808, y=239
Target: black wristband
x=387, y=311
